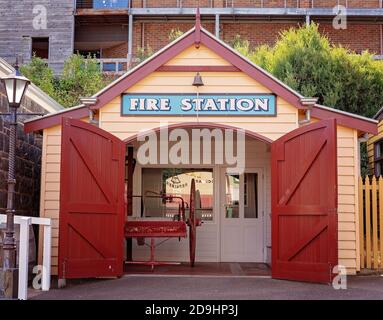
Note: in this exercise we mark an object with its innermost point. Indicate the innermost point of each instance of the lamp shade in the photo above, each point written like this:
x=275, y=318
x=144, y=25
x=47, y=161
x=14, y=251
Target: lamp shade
x=15, y=86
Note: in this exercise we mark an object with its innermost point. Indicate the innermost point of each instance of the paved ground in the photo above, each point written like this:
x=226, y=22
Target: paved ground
x=149, y=287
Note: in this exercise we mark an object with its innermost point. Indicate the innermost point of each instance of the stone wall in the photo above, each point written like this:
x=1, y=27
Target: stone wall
x=28, y=161
x=20, y=22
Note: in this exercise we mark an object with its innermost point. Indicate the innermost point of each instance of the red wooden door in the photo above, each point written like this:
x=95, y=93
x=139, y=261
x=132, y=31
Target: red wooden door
x=304, y=204
x=91, y=234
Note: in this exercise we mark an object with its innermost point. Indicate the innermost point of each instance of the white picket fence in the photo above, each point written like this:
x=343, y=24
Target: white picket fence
x=23, y=257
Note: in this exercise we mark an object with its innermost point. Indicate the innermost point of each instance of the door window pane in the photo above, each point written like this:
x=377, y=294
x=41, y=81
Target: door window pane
x=232, y=196
x=176, y=182
x=250, y=195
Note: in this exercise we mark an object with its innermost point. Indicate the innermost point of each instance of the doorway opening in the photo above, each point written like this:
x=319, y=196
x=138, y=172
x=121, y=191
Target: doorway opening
x=232, y=206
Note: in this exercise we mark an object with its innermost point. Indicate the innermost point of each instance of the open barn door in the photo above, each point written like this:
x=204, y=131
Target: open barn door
x=304, y=204
x=91, y=235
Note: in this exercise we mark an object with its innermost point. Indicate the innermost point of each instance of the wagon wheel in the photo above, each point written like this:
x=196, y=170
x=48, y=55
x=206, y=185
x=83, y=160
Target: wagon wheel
x=192, y=222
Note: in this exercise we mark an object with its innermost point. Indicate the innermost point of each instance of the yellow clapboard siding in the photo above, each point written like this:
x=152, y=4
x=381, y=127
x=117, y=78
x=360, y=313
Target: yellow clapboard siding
x=346, y=142
x=52, y=177
x=53, y=158
x=255, y=127
x=346, y=236
x=115, y=117
x=346, y=161
x=346, y=217
x=346, y=189
x=346, y=199
x=52, y=186
x=346, y=254
x=347, y=208
x=347, y=245
x=346, y=226
x=346, y=171
x=201, y=56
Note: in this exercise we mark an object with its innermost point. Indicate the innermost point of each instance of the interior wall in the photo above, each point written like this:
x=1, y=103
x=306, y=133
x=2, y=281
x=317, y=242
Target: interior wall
x=257, y=156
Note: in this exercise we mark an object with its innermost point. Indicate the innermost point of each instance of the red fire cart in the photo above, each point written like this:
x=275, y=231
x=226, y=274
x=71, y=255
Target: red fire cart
x=176, y=228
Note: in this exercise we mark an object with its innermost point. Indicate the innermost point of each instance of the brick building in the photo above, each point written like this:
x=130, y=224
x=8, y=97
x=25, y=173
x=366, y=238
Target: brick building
x=115, y=30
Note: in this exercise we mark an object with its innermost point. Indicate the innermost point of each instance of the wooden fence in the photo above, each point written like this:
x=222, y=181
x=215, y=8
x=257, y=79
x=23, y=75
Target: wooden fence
x=371, y=222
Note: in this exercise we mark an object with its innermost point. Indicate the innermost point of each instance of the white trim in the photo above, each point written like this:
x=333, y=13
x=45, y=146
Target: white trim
x=346, y=113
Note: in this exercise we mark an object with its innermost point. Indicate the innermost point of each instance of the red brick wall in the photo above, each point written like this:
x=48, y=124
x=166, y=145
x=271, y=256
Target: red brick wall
x=255, y=3
x=119, y=51
x=356, y=37
x=256, y=33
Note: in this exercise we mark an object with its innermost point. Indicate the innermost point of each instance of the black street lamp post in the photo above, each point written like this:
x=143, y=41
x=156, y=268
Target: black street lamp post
x=15, y=87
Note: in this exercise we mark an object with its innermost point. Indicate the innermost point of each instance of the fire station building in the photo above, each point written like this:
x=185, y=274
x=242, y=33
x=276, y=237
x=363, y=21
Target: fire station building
x=293, y=205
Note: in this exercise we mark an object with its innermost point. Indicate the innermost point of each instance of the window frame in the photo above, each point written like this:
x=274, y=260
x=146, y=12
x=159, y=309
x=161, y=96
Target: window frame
x=377, y=159
x=49, y=47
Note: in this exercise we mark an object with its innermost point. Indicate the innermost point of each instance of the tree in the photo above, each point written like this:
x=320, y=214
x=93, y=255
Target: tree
x=307, y=62
x=143, y=53
x=40, y=74
x=81, y=77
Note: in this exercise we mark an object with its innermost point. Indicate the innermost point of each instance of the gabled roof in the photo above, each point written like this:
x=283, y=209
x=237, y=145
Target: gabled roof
x=33, y=92
x=197, y=36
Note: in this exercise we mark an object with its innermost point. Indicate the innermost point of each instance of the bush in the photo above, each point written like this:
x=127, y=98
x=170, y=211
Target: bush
x=40, y=74
x=307, y=62
x=81, y=77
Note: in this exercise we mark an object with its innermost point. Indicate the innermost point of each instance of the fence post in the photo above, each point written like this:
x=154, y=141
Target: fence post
x=46, y=277
x=381, y=219
x=368, y=223
x=361, y=223
x=23, y=257
x=375, y=223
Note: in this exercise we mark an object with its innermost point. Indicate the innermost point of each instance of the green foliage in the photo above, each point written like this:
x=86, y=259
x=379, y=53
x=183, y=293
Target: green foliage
x=40, y=74
x=307, y=62
x=175, y=34
x=81, y=77
x=143, y=53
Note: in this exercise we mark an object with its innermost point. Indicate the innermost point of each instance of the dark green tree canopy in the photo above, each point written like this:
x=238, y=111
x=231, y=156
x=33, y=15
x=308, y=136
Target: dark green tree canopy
x=307, y=62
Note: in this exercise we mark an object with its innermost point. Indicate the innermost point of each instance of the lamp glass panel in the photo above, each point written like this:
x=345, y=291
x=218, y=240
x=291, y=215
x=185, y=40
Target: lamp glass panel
x=9, y=88
x=20, y=86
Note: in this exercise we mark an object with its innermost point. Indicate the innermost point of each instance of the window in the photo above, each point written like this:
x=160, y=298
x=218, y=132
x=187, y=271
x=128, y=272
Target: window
x=232, y=196
x=40, y=47
x=176, y=182
x=250, y=195
x=378, y=157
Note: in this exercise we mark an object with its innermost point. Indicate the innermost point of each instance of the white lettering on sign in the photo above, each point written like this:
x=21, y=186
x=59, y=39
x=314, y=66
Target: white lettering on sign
x=199, y=104
x=257, y=104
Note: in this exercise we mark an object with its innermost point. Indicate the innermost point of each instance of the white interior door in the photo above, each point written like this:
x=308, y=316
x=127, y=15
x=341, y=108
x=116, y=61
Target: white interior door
x=242, y=217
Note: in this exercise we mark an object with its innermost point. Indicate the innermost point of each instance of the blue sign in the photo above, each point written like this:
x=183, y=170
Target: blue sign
x=204, y=104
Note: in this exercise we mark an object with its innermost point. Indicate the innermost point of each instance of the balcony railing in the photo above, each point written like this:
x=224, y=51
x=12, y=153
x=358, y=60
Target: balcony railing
x=127, y=4
x=113, y=66
x=102, y=4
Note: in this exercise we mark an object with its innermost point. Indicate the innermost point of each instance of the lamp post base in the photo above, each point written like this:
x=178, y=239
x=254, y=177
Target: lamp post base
x=9, y=283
